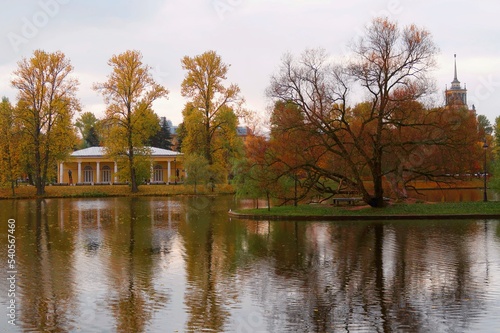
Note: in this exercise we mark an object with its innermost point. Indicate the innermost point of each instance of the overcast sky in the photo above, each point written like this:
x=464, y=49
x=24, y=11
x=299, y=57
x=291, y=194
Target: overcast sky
x=250, y=35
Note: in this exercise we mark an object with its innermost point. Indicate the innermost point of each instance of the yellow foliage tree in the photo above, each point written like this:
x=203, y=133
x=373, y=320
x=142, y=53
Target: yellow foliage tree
x=46, y=104
x=130, y=121
x=9, y=152
x=211, y=116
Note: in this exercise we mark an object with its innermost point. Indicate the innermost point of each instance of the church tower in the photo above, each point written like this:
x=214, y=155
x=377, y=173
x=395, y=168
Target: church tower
x=456, y=95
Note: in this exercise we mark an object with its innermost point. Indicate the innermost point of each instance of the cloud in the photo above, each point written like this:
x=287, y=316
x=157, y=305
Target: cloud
x=251, y=35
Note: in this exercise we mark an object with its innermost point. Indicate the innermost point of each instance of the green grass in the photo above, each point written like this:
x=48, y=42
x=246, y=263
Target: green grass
x=459, y=208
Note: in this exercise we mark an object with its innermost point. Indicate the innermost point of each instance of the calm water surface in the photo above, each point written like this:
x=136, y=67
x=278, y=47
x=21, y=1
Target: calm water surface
x=181, y=264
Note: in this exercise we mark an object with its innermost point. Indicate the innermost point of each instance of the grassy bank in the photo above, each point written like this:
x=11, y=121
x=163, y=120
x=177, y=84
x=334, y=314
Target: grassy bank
x=418, y=209
x=96, y=191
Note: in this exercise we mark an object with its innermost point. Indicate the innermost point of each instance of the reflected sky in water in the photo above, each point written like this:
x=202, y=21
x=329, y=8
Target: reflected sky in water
x=181, y=264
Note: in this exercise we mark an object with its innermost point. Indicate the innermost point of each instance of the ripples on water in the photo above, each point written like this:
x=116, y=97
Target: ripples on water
x=166, y=265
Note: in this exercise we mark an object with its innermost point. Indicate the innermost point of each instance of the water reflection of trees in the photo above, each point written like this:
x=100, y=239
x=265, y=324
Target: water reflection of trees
x=134, y=297
x=328, y=277
x=208, y=289
x=126, y=242
x=382, y=276
x=45, y=269
x=245, y=275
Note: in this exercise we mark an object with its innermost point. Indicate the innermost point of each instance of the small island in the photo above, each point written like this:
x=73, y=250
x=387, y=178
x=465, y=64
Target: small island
x=393, y=211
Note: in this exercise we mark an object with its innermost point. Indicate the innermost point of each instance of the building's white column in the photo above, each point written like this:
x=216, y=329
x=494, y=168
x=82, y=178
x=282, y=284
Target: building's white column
x=116, y=171
x=61, y=172
x=98, y=173
x=79, y=172
x=168, y=172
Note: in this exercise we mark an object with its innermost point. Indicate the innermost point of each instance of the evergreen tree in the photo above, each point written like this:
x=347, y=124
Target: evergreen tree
x=92, y=139
x=162, y=138
x=88, y=125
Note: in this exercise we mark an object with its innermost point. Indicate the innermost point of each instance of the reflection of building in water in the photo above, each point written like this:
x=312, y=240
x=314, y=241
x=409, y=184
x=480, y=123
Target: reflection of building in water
x=163, y=215
x=96, y=217
x=92, y=216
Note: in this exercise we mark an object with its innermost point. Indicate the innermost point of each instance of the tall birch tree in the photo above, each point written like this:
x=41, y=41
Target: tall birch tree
x=130, y=121
x=9, y=147
x=210, y=117
x=46, y=105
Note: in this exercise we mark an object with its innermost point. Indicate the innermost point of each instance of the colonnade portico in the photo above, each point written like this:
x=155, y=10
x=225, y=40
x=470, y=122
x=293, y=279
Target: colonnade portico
x=91, y=166
x=79, y=179
x=155, y=176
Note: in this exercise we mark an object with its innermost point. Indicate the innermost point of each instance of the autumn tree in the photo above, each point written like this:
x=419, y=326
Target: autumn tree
x=256, y=176
x=9, y=147
x=211, y=115
x=197, y=169
x=289, y=158
x=385, y=60
x=484, y=125
x=88, y=125
x=181, y=135
x=438, y=144
x=130, y=121
x=495, y=181
x=46, y=105
x=496, y=138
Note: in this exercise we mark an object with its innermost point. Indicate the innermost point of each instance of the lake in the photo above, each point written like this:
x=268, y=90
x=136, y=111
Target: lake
x=180, y=264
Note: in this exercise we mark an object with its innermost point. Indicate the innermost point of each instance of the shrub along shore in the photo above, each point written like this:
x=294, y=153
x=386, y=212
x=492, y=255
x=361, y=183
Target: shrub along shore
x=101, y=191
x=394, y=211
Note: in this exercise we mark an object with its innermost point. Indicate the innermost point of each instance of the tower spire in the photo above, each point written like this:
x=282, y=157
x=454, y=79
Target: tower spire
x=455, y=78
x=455, y=84
x=456, y=94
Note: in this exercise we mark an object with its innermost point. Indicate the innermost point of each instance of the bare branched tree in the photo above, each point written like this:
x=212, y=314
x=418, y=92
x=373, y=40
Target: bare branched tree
x=352, y=144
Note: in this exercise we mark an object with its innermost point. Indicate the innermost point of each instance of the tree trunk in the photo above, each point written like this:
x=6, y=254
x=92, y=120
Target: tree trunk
x=208, y=143
x=39, y=183
x=133, y=178
x=133, y=181
x=377, y=200
x=45, y=166
x=40, y=187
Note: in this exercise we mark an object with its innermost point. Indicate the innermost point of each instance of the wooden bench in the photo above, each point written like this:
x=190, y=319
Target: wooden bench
x=350, y=201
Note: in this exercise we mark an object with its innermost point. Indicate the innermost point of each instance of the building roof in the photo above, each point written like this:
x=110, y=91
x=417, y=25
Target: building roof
x=242, y=130
x=99, y=151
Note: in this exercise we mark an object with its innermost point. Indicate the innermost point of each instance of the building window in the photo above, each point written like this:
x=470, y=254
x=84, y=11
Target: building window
x=88, y=174
x=158, y=173
x=106, y=174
